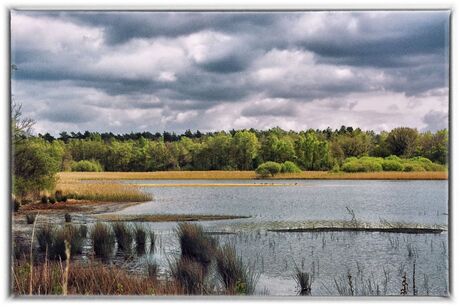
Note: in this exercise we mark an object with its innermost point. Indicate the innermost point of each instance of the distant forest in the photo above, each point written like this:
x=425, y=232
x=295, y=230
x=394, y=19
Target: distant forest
x=236, y=149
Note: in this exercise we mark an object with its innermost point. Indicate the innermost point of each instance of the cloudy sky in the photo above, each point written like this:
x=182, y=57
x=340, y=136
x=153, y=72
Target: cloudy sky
x=155, y=71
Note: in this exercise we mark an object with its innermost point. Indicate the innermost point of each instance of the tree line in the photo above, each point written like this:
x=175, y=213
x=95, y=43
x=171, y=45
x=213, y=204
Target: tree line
x=239, y=150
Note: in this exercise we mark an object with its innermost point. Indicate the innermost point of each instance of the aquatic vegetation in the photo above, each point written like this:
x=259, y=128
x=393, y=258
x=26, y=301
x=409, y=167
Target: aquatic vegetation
x=195, y=244
x=124, y=235
x=304, y=281
x=236, y=277
x=189, y=276
x=30, y=218
x=140, y=236
x=103, y=240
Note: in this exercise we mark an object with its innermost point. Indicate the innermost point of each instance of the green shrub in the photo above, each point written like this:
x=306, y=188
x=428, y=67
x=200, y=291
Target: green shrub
x=392, y=165
x=413, y=167
x=362, y=165
x=290, y=167
x=52, y=200
x=393, y=158
x=268, y=168
x=86, y=166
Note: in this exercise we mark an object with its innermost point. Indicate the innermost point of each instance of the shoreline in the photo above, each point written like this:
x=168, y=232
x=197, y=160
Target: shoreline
x=250, y=175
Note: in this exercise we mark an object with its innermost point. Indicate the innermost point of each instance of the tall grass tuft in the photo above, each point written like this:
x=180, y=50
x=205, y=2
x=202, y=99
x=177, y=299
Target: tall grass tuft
x=236, y=277
x=195, y=244
x=103, y=240
x=140, y=236
x=30, y=218
x=52, y=241
x=188, y=275
x=45, y=237
x=304, y=281
x=124, y=235
x=152, y=241
x=67, y=218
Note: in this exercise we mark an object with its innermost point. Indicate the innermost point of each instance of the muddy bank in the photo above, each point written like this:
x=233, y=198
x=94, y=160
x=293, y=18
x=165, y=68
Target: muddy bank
x=81, y=212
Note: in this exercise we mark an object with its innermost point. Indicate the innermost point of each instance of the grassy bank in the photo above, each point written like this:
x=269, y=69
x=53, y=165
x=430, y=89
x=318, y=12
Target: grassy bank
x=234, y=175
x=101, y=191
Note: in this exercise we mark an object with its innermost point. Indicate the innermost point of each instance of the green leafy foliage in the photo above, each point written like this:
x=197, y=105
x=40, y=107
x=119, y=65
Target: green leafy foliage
x=269, y=168
x=86, y=166
x=290, y=167
x=391, y=163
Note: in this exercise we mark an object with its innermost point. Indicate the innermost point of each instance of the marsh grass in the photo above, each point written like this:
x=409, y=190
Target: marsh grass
x=236, y=277
x=51, y=240
x=220, y=175
x=68, y=218
x=102, y=191
x=152, y=237
x=304, y=281
x=124, y=235
x=140, y=236
x=103, y=240
x=30, y=218
x=195, y=244
x=189, y=276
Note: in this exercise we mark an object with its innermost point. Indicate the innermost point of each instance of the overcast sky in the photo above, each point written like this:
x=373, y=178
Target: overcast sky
x=155, y=71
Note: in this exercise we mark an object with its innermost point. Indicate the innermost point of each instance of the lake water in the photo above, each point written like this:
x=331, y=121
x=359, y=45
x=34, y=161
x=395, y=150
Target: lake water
x=373, y=260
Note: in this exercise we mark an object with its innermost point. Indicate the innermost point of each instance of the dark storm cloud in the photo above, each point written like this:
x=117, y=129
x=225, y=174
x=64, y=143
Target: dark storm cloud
x=120, y=27
x=186, y=61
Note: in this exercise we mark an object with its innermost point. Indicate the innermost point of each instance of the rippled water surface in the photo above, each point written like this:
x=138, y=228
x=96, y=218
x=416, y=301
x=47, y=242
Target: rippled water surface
x=376, y=262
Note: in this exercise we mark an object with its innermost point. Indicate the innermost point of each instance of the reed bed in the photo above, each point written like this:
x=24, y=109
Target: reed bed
x=220, y=175
x=84, y=279
x=102, y=191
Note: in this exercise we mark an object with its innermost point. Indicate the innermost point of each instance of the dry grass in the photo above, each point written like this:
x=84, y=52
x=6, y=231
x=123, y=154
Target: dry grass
x=220, y=175
x=166, y=217
x=85, y=279
x=101, y=191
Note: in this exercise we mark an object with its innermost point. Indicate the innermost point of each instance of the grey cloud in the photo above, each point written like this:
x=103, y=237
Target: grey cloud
x=283, y=110
x=409, y=48
x=435, y=120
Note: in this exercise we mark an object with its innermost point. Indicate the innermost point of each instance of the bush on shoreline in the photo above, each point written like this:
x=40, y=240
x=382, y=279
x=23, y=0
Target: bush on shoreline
x=86, y=166
x=390, y=163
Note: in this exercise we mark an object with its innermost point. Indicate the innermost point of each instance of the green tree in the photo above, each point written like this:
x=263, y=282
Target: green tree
x=244, y=149
x=402, y=141
x=35, y=165
x=312, y=153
